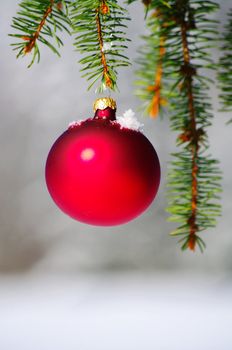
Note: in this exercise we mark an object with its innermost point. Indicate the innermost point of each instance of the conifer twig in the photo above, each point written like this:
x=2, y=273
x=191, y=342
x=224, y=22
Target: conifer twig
x=106, y=76
x=32, y=39
x=99, y=35
x=152, y=60
x=199, y=172
x=37, y=21
x=225, y=67
x=194, y=177
x=193, y=136
x=157, y=99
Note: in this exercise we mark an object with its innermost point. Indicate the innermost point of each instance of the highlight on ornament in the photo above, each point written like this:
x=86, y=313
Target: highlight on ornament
x=103, y=170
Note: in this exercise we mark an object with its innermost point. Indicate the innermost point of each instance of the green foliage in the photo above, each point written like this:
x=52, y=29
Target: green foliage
x=180, y=179
x=158, y=23
x=38, y=21
x=201, y=33
x=99, y=30
x=161, y=24
x=225, y=68
x=194, y=177
x=99, y=27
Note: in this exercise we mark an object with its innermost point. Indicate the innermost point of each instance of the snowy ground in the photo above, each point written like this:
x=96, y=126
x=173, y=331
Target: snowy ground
x=115, y=312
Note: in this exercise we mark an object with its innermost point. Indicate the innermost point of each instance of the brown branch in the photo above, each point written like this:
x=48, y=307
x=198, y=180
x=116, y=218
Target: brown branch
x=146, y=2
x=104, y=10
x=32, y=39
x=157, y=99
x=188, y=72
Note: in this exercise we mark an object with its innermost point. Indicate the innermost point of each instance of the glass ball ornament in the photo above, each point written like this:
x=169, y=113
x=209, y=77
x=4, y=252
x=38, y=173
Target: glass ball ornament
x=102, y=172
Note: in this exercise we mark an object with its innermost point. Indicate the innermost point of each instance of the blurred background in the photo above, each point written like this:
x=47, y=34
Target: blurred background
x=69, y=286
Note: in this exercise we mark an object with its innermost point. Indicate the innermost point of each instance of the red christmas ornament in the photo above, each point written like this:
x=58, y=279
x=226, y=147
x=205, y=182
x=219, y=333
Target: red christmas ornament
x=100, y=172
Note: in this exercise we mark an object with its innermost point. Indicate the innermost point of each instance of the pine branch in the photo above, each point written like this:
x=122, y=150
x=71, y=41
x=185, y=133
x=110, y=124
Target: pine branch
x=32, y=40
x=36, y=21
x=186, y=34
x=192, y=136
x=99, y=27
x=157, y=100
x=198, y=172
x=106, y=76
x=225, y=68
x=151, y=82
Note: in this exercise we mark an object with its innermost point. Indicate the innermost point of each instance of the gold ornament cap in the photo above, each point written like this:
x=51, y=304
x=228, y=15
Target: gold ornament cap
x=103, y=103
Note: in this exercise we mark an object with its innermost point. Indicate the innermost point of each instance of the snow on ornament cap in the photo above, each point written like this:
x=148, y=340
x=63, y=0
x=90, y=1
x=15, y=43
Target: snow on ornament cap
x=103, y=103
x=105, y=108
x=129, y=121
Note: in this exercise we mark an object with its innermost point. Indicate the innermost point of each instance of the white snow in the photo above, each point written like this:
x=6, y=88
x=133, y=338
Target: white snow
x=115, y=312
x=75, y=123
x=129, y=121
x=107, y=46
